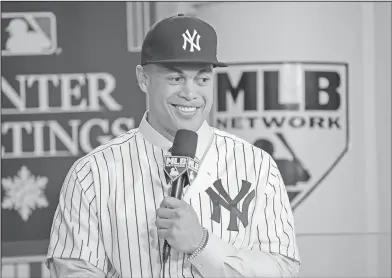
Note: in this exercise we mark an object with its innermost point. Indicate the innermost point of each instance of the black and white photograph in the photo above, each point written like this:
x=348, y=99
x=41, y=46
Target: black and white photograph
x=150, y=139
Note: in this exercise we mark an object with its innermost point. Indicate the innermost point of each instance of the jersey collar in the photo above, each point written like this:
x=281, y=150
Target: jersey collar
x=205, y=135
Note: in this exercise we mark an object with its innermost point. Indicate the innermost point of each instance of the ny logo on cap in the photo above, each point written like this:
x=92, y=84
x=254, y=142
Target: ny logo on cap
x=191, y=40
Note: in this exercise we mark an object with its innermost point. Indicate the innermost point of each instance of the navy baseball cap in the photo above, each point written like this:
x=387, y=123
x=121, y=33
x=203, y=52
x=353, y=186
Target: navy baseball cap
x=180, y=39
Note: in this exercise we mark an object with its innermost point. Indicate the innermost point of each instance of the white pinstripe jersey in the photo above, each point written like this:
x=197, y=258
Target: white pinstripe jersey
x=107, y=207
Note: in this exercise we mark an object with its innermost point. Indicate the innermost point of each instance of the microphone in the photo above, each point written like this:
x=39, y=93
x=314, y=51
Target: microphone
x=181, y=168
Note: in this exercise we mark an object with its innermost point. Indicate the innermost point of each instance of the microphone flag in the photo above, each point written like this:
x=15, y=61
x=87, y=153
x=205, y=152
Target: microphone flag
x=175, y=166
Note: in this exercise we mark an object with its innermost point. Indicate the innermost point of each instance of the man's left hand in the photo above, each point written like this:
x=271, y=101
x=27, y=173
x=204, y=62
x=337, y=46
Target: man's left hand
x=178, y=223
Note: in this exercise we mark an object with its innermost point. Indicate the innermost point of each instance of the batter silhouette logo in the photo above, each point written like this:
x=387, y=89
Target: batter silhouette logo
x=295, y=111
x=28, y=33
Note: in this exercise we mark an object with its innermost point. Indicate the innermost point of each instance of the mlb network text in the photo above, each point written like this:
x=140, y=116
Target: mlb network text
x=239, y=103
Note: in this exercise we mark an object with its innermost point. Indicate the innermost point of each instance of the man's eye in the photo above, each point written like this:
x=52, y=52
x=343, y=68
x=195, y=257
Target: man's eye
x=202, y=80
x=175, y=79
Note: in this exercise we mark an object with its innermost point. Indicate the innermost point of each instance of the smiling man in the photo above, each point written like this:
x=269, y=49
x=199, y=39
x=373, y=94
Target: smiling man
x=114, y=211
x=180, y=95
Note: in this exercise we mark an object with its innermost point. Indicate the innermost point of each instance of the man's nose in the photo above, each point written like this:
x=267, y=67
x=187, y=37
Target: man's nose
x=187, y=92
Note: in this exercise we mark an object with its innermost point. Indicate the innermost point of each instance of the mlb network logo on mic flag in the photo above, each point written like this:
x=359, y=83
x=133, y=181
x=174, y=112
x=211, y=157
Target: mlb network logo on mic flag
x=175, y=166
x=29, y=33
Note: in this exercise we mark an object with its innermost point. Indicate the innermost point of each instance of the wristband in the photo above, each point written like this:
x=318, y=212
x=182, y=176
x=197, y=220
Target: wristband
x=201, y=246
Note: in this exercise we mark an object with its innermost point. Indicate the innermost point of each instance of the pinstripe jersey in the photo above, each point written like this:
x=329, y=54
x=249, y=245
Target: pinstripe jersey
x=107, y=206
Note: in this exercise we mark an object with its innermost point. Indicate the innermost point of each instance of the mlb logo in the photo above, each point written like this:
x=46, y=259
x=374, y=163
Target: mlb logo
x=295, y=111
x=25, y=34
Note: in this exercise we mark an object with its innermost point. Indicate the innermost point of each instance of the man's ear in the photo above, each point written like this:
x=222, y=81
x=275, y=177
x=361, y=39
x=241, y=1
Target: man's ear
x=142, y=78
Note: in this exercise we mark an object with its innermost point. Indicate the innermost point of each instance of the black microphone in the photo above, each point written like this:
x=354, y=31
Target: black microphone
x=184, y=149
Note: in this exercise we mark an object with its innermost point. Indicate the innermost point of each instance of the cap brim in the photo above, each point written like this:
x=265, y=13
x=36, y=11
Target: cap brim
x=180, y=61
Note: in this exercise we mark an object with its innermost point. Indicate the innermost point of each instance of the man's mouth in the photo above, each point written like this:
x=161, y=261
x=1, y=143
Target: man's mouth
x=186, y=110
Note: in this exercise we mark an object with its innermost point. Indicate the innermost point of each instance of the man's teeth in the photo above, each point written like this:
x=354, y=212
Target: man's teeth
x=186, y=109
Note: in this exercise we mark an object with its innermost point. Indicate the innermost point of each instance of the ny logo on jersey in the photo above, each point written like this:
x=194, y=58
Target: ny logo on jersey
x=231, y=205
x=191, y=40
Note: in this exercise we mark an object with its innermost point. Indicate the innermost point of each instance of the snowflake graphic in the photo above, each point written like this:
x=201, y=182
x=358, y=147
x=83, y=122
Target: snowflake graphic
x=24, y=193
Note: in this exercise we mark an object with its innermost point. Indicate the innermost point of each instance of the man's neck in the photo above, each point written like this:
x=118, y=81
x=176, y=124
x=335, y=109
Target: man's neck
x=164, y=132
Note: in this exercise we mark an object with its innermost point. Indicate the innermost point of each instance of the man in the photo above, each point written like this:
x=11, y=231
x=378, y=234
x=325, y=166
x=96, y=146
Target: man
x=114, y=212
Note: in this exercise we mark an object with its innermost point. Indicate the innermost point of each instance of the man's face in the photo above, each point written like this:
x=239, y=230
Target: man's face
x=180, y=96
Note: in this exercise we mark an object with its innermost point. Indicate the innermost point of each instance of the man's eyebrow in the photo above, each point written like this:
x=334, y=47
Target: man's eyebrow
x=203, y=70
x=170, y=68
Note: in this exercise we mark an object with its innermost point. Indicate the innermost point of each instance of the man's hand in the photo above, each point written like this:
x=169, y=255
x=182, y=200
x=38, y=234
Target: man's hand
x=178, y=223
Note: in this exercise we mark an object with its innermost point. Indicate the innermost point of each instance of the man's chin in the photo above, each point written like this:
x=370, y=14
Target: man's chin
x=189, y=125
x=192, y=123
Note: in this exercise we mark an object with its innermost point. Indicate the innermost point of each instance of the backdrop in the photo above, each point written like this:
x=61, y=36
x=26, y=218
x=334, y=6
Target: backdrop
x=68, y=85
x=298, y=92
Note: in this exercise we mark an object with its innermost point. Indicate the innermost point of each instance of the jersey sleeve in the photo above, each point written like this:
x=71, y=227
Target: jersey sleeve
x=275, y=229
x=75, y=232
